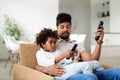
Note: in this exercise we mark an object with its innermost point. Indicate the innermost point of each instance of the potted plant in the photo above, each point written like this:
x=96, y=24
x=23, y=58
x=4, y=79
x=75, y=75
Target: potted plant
x=11, y=28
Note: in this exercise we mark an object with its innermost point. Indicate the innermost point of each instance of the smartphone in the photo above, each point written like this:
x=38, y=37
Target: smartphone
x=73, y=48
x=99, y=26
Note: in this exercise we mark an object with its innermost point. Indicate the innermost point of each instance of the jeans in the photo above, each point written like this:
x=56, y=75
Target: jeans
x=110, y=74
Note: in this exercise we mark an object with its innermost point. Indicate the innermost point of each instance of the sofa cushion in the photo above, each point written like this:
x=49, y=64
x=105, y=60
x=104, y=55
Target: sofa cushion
x=27, y=54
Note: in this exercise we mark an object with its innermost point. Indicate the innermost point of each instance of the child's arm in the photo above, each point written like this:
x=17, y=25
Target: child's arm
x=66, y=54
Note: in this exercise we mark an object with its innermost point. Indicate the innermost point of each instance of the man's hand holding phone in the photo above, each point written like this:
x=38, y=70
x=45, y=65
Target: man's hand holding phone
x=100, y=33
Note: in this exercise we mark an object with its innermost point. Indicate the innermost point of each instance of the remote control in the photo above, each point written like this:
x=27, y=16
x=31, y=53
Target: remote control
x=99, y=26
x=73, y=49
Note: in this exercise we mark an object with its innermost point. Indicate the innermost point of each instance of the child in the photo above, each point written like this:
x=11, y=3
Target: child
x=49, y=55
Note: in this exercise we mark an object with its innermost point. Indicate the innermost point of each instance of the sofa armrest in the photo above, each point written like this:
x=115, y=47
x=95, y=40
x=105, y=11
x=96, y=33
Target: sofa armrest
x=24, y=73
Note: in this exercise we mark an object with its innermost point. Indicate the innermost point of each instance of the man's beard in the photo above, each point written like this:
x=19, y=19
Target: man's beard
x=64, y=35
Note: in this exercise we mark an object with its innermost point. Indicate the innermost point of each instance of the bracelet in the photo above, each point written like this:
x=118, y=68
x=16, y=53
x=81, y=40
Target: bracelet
x=99, y=42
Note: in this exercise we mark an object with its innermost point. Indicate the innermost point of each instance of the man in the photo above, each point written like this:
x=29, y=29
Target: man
x=63, y=22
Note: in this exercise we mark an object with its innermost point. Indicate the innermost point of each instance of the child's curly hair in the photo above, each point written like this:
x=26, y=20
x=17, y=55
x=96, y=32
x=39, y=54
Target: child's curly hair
x=42, y=37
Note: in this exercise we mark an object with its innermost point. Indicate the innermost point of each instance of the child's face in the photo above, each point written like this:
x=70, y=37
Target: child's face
x=50, y=44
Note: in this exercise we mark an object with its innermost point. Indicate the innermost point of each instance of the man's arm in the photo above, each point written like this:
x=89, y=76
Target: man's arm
x=85, y=56
x=51, y=70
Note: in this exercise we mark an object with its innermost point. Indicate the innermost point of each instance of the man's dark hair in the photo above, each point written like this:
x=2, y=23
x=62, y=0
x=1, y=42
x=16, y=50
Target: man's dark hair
x=43, y=36
x=63, y=17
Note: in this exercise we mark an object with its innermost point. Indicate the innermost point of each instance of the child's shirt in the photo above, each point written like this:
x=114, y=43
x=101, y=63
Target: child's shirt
x=48, y=58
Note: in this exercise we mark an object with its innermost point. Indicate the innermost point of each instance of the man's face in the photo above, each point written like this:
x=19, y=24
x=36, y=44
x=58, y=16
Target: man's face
x=63, y=30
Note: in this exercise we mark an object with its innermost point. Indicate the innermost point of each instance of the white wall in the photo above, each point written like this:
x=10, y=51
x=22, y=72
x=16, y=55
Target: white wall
x=115, y=16
x=30, y=15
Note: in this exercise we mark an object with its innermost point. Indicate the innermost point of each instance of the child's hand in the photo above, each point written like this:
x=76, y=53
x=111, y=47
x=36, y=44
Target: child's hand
x=67, y=54
x=70, y=53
